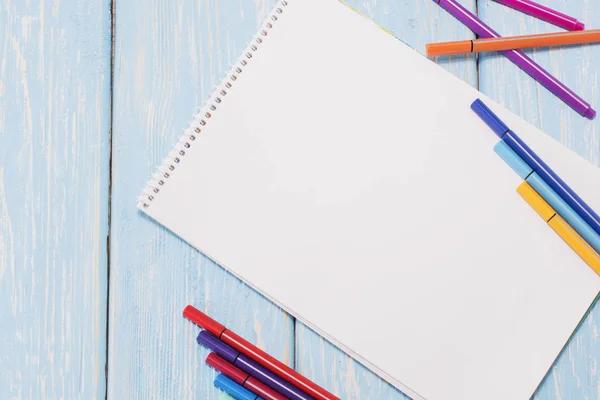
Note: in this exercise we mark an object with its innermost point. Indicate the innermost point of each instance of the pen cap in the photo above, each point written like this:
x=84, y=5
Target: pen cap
x=512, y=159
x=544, y=13
x=449, y=48
x=271, y=379
x=489, y=117
x=232, y=388
x=536, y=201
x=212, y=343
x=203, y=320
x=233, y=373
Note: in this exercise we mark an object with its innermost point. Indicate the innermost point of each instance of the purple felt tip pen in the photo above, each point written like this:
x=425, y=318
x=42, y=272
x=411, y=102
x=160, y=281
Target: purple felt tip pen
x=244, y=363
x=544, y=13
x=520, y=59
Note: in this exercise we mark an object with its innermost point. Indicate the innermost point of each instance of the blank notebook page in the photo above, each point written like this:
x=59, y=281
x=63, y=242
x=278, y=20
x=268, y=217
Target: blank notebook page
x=344, y=176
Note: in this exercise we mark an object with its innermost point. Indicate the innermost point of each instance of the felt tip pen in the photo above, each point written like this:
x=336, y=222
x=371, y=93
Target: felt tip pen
x=233, y=389
x=536, y=163
x=544, y=13
x=514, y=42
x=254, y=369
x=256, y=354
x=243, y=378
x=560, y=226
x=548, y=194
x=520, y=59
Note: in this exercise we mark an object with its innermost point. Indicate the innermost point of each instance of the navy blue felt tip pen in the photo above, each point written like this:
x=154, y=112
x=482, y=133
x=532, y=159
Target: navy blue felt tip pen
x=536, y=163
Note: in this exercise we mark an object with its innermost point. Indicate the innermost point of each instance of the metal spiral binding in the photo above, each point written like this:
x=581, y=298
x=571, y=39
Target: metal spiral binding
x=201, y=119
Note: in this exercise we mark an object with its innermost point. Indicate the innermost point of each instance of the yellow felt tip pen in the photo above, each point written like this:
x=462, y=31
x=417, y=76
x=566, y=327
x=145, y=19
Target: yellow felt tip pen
x=560, y=226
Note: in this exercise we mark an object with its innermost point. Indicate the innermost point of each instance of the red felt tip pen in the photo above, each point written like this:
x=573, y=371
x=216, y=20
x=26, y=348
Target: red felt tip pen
x=242, y=378
x=243, y=346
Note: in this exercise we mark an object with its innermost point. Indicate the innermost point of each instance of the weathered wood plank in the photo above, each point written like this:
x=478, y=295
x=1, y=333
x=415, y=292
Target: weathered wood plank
x=169, y=56
x=54, y=176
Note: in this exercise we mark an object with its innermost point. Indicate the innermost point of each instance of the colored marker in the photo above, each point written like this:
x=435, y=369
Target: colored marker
x=549, y=195
x=233, y=389
x=536, y=163
x=256, y=354
x=244, y=363
x=520, y=59
x=560, y=226
x=243, y=378
x=544, y=13
x=514, y=42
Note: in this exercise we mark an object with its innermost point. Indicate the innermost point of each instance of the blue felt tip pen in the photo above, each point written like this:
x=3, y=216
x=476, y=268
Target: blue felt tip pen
x=548, y=194
x=536, y=164
x=233, y=389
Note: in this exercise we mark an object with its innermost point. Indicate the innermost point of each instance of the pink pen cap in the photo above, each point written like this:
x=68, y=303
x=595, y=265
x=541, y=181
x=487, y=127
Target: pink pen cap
x=544, y=13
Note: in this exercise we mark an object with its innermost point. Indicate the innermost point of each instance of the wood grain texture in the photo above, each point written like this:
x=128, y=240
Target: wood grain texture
x=575, y=375
x=54, y=175
x=169, y=56
x=54, y=179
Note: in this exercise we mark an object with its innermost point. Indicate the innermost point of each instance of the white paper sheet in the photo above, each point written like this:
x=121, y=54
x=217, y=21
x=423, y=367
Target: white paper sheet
x=345, y=177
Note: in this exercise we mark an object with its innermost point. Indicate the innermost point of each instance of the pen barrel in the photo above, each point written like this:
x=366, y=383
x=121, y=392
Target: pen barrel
x=553, y=180
x=542, y=40
x=233, y=389
x=270, y=379
x=265, y=392
x=569, y=235
x=544, y=13
x=243, y=378
x=520, y=59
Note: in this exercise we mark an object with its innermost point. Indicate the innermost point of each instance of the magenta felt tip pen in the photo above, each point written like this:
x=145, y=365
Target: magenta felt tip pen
x=520, y=59
x=544, y=13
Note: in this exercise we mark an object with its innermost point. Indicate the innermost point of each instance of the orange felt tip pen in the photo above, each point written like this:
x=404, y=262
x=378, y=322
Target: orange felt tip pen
x=513, y=43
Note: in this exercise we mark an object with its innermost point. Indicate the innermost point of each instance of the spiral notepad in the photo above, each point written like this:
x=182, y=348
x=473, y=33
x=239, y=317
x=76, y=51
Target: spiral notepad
x=344, y=176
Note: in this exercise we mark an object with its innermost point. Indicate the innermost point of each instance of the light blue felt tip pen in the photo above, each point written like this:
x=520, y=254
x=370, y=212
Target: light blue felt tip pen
x=548, y=194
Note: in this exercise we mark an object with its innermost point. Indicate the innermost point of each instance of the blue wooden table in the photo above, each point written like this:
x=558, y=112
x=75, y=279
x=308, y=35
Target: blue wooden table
x=93, y=94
